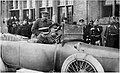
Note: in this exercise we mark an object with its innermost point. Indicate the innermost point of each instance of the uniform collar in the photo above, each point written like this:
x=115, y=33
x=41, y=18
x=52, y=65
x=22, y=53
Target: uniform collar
x=43, y=19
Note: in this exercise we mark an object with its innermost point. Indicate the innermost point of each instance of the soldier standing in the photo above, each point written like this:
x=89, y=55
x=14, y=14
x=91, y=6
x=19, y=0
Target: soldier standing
x=95, y=33
x=86, y=32
x=111, y=32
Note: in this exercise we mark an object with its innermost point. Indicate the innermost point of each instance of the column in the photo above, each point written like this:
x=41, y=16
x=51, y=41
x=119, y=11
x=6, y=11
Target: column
x=55, y=10
x=65, y=8
x=100, y=8
x=36, y=9
x=28, y=6
x=20, y=6
x=8, y=9
x=14, y=4
x=79, y=10
x=46, y=5
x=0, y=14
x=113, y=7
x=5, y=17
x=87, y=11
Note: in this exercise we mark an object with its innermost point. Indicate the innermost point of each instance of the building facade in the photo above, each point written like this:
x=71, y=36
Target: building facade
x=72, y=9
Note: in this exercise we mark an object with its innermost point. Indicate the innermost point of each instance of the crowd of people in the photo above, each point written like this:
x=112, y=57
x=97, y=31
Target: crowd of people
x=93, y=33
x=20, y=28
x=43, y=30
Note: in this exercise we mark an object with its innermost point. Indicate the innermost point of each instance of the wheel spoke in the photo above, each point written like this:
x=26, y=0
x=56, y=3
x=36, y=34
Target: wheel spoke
x=87, y=67
x=77, y=65
x=73, y=68
x=82, y=66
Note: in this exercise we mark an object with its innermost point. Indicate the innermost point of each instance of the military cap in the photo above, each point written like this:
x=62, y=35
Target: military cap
x=44, y=12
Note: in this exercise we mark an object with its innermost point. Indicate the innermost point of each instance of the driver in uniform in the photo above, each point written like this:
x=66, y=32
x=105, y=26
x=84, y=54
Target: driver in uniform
x=41, y=24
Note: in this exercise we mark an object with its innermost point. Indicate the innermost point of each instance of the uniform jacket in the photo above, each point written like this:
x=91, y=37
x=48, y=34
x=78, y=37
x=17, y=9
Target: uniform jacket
x=39, y=24
x=96, y=30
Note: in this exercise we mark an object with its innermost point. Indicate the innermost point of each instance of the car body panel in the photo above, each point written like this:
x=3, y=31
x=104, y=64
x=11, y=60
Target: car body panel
x=108, y=57
x=47, y=57
x=28, y=55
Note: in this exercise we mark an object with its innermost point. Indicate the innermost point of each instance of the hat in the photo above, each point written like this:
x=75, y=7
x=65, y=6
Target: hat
x=44, y=12
x=81, y=20
x=91, y=21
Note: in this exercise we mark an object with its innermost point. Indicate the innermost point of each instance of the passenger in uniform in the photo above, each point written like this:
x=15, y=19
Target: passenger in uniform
x=41, y=24
x=86, y=32
x=95, y=34
x=111, y=33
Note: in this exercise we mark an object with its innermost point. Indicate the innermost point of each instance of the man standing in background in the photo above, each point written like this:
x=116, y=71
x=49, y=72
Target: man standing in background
x=111, y=33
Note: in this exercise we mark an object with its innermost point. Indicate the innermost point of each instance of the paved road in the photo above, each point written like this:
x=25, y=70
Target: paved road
x=23, y=70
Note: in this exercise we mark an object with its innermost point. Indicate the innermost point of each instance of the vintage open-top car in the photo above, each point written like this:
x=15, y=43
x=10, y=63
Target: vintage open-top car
x=68, y=56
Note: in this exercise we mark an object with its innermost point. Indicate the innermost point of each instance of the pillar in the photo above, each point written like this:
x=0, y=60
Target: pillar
x=28, y=6
x=5, y=17
x=55, y=10
x=36, y=9
x=14, y=4
x=79, y=10
x=93, y=9
x=0, y=14
x=65, y=8
x=20, y=6
x=113, y=7
x=100, y=8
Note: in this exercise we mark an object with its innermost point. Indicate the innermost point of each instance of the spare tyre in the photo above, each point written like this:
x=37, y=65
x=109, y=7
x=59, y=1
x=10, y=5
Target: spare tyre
x=81, y=62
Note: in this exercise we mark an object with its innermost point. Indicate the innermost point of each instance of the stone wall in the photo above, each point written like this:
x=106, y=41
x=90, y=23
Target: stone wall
x=93, y=9
x=79, y=8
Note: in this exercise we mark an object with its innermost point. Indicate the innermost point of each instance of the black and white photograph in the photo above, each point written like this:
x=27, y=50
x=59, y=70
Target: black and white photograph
x=78, y=36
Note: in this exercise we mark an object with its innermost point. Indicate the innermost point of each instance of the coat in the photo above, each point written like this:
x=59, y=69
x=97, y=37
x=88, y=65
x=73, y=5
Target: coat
x=39, y=24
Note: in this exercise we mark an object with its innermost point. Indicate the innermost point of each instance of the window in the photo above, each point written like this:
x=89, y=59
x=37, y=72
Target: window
x=45, y=3
x=16, y=5
x=61, y=2
x=61, y=14
x=40, y=3
x=40, y=10
x=69, y=2
x=117, y=1
x=70, y=14
x=11, y=4
x=33, y=14
x=25, y=4
x=50, y=10
x=25, y=14
x=15, y=13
